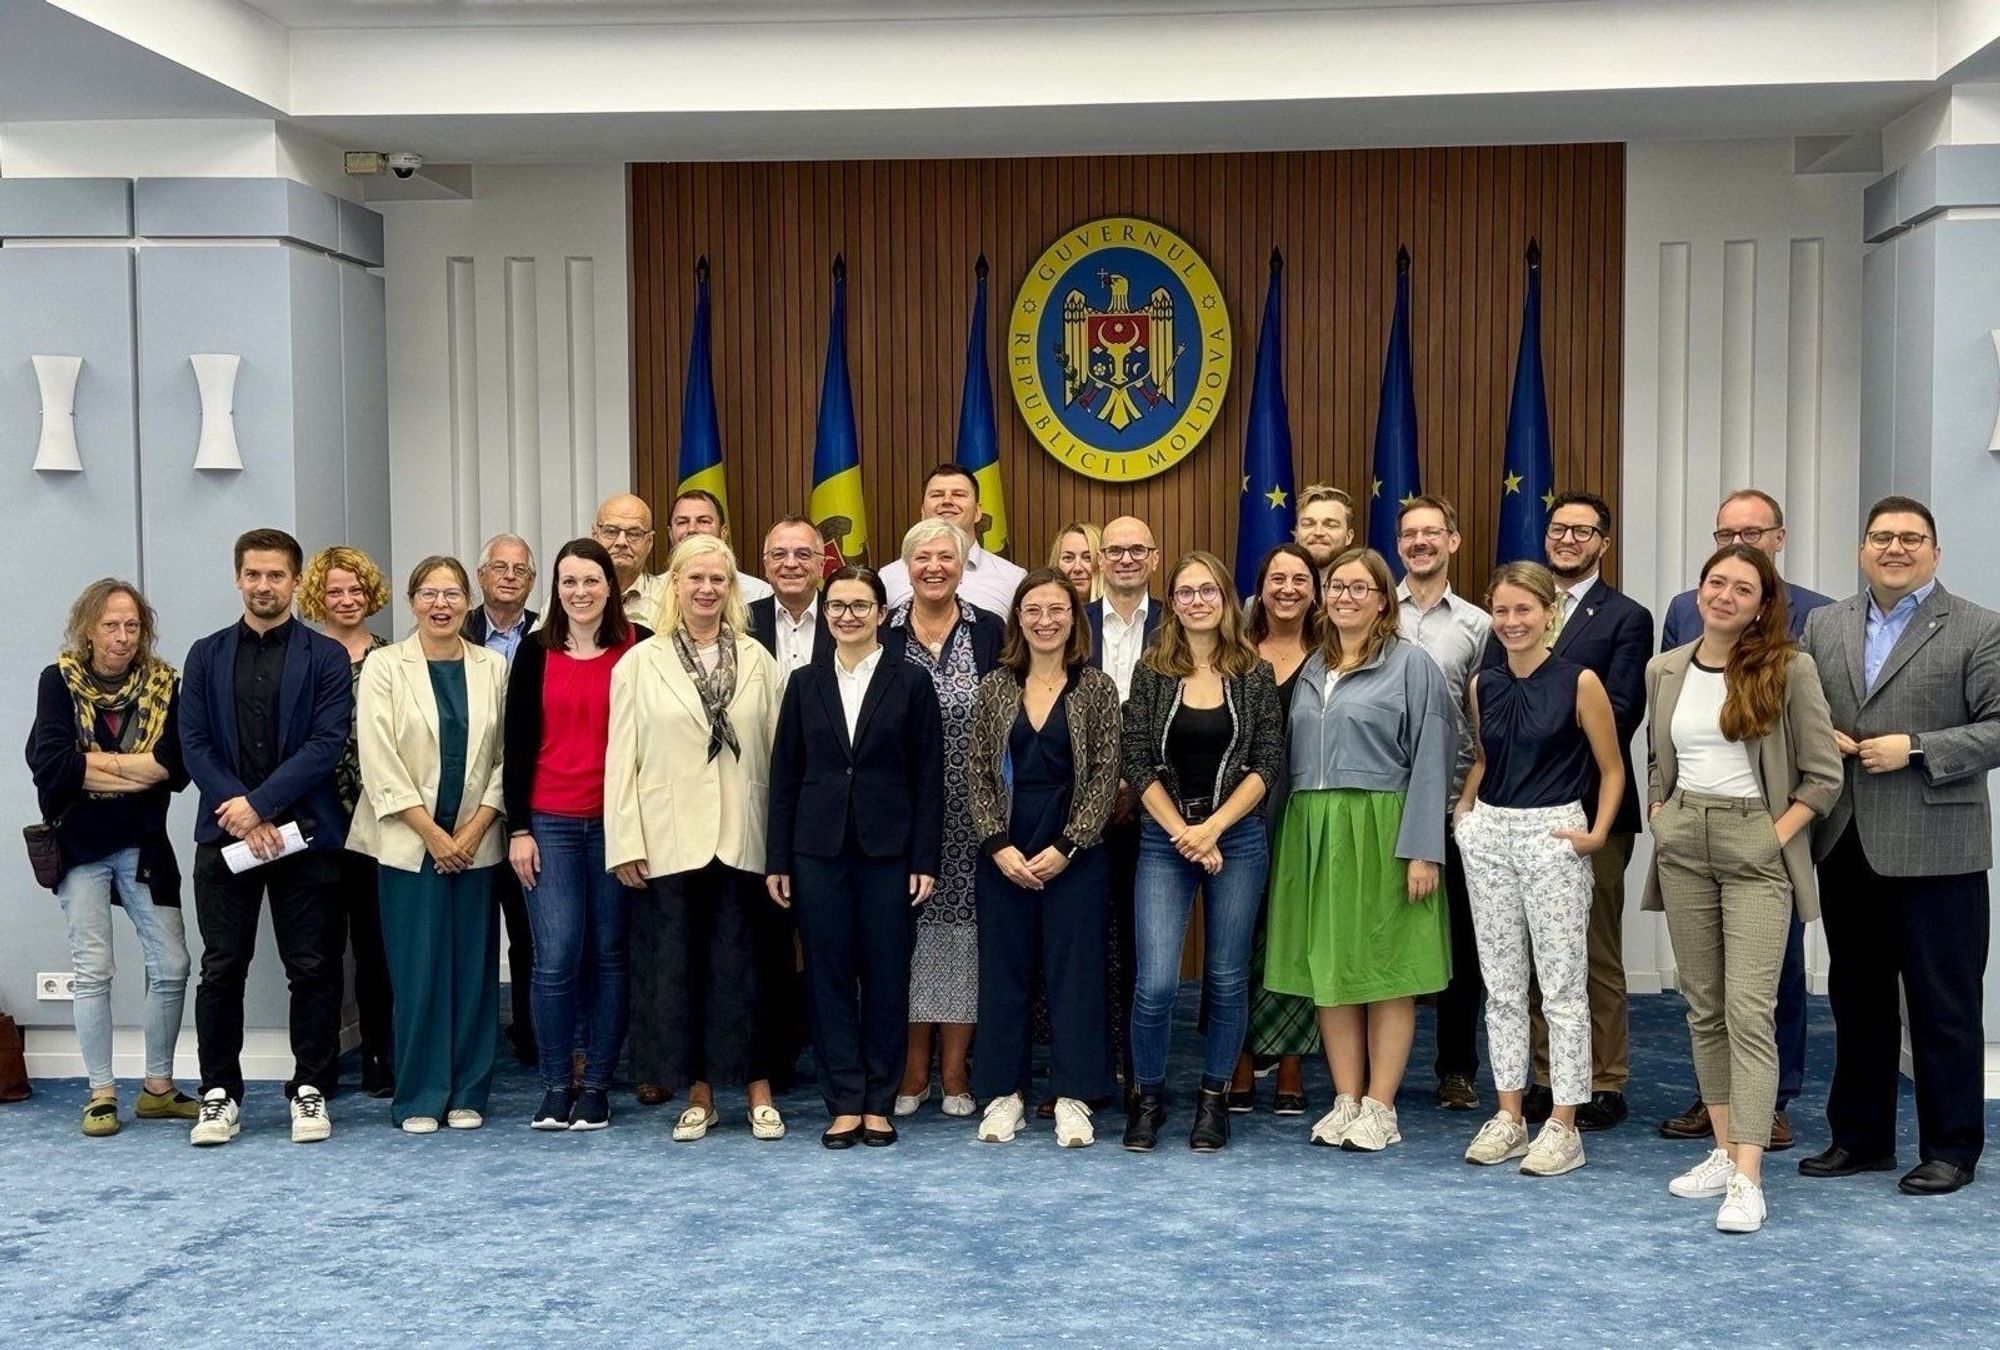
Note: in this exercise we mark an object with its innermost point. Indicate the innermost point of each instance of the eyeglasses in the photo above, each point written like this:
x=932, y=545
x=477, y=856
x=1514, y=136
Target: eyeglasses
x=843, y=609
x=1879, y=540
x=1752, y=536
x=432, y=595
x=1123, y=552
x=611, y=534
x=500, y=569
x=1037, y=613
x=1208, y=592
x=1583, y=534
x=1426, y=532
x=804, y=555
x=1360, y=590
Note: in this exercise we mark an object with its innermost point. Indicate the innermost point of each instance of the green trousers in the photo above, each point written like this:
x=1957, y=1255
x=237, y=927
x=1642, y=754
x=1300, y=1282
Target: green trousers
x=442, y=937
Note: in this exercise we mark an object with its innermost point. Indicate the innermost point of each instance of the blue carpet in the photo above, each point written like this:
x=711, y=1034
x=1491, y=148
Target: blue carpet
x=503, y=1236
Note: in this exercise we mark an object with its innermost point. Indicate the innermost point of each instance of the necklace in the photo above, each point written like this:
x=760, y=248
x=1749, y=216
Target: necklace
x=934, y=644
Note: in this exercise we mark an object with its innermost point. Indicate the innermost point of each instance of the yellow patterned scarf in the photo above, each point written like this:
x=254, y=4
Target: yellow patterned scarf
x=146, y=690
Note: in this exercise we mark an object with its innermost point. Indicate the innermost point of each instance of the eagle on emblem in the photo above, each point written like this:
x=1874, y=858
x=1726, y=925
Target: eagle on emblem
x=1118, y=362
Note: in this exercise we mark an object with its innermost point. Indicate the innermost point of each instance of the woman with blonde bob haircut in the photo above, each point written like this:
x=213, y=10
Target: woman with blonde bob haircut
x=1203, y=740
x=1356, y=920
x=1074, y=552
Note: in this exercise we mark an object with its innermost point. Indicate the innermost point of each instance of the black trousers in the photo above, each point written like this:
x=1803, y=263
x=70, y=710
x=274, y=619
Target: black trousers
x=697, y=1009
x=855, y=923
x=1932, y=932
x=782, y=989
x=1121, y=857
x=305, y=919
x=361, y=920
x=1062, y=930
x=1460, y=1003
x=520, y=960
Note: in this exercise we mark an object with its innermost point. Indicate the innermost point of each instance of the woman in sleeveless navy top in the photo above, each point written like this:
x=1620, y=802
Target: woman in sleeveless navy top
x=1541, y=724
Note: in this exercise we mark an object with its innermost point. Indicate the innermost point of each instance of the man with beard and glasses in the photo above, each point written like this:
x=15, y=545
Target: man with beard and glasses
x=1606, y=631
x=952, y=493
x=265, y=707
x=1325, y=524
x=1454, y=631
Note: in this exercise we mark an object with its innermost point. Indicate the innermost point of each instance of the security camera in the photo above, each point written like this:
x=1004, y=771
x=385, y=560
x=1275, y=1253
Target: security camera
x=404, y=163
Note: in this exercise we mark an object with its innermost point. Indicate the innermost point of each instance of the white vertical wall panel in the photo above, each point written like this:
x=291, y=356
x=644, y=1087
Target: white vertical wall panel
x=461, y=353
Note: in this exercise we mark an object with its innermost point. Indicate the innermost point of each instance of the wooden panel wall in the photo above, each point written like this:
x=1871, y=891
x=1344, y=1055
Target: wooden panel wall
x=911, y=230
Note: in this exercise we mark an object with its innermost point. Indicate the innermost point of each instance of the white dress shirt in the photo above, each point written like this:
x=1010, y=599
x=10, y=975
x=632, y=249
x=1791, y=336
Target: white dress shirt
x=854, y=686
x=989, y=582
x=794, y=637
x=751, y=589
x=642, y=599
x=1124, y=642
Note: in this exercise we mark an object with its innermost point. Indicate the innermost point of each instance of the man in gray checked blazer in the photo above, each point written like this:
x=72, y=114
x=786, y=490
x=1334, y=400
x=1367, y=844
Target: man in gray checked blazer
x=1912, y=676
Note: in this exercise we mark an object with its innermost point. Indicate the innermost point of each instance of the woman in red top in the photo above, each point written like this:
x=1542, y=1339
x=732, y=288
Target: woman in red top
x=557, y=724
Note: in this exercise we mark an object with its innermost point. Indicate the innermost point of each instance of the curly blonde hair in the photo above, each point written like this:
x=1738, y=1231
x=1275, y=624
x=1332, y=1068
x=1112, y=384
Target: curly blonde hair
x=312, y=583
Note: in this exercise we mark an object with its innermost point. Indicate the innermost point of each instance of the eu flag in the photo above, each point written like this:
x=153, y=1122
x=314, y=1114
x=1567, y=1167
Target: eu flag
x=1528, y=486
x=978, y=441
x=1265, y=509
x=1396, y=477
x=838, y=507
x=700, y=464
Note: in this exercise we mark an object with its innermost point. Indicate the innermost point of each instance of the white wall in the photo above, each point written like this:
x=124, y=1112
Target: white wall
x=509, y=360
x=1742, y=368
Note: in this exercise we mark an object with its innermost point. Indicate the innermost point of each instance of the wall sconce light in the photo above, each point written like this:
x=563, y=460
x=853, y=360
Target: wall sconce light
x=57, y=452
x=215, y=377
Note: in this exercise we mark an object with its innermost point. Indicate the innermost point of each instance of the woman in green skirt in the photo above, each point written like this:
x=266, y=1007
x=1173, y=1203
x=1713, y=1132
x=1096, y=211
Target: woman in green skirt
x=1357, y=921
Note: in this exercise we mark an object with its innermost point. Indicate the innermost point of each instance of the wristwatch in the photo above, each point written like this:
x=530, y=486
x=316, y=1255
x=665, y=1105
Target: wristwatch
x=1917, y=750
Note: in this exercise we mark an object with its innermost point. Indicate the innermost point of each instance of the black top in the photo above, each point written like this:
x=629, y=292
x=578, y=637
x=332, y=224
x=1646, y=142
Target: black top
x=1536, y=754
x=260, y=669
x=1044, y=778
x=1258, y=746
x=1197, y=739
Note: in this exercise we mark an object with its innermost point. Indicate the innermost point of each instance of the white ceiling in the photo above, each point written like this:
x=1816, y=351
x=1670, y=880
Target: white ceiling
x=311, y=14
x=55, y=68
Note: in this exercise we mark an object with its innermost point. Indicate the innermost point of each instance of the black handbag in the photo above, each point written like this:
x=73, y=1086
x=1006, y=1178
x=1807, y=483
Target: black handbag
x=44, y=854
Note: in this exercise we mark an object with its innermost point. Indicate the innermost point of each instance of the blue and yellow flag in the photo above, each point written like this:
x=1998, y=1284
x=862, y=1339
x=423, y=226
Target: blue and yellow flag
x=978, y=441
x=1528, y=483
x=1396, y=478
x=1265, y=512
x=700, y=464
x=838, y=507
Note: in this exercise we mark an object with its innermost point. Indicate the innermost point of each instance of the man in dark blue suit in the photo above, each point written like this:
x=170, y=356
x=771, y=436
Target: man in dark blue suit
x=265, y=708
x=1608, y=632
x=1748, y=516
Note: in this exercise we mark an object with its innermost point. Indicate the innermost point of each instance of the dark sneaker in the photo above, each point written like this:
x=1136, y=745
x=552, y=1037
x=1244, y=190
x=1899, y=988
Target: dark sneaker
x=1456, y=1093
x=1604, y=1111
x=553, y=1113
x=593, y=1110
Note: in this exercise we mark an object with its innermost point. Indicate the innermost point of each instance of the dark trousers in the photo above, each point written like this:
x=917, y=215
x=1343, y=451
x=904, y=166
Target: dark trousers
x=1460, y=1002
x=443, y=942
x=1061, y=930
x=855, y=923
x=361, y=917
x=1121, y=857
x=520, y=960
x=1932, y=932
x=697, y=1012
x=783, y=991
x=305, y=919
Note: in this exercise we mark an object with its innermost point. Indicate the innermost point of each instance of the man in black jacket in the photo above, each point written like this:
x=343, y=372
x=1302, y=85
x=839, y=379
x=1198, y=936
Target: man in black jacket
x=788, y=621
x=1606, y=631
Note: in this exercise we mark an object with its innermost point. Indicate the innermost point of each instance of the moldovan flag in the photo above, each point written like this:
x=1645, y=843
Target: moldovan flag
x=838, y=507
x=700, y=464
x=978, y=441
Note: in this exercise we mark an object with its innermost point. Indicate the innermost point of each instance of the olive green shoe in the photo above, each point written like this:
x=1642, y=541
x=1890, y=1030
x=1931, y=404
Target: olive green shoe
x=175, y=1105
x=100, y=1117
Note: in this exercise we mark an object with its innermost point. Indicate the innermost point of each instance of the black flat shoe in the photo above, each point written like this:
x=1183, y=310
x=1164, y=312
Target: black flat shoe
x=846, y=1138
x=1242, y=1103
x=1143, y=1121
x=1841, y=1162
x=1934, y=1177
x=1604, y=1111
x=878, y=1138
x=1288, y=1104
x=1211, y=1122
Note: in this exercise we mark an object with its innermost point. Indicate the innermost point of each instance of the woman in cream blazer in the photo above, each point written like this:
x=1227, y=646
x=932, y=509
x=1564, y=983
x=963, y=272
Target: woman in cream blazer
x=694, y=710
x=428, y=731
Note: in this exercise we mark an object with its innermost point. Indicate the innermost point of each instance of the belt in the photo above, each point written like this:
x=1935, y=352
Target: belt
x=1703, y=801
x=1195, y=810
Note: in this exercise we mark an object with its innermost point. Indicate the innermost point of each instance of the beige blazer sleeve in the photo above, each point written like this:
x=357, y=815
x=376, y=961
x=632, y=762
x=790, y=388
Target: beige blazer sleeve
x=624, y=839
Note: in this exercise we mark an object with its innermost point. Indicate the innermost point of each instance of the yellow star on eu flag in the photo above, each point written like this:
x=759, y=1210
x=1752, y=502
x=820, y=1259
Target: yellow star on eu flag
x=1511, y=483
x=1549, y=500
x=1246, y=482
x=1375, y=487
x=1276, y=496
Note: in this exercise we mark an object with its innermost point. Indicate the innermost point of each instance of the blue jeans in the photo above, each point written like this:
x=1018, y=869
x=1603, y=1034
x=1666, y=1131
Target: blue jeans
x=1163, y=898
x=85, y=894
x=577, y=907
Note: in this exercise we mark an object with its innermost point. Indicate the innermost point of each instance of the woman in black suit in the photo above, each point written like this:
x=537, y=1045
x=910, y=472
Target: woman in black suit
x=856, y=826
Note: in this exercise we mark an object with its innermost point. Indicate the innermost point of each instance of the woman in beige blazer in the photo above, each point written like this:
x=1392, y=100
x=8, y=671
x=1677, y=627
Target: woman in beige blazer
x=694, y=710
x=428, y=731
x=1742, y=759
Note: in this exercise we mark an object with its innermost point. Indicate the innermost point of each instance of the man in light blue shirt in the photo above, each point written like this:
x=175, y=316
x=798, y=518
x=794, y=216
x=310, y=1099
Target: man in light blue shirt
x=1885, y=629
x=506, y=575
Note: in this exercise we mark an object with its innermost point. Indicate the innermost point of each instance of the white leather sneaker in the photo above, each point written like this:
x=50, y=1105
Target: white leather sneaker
x=1332, y=1127
x=1374, y=1130
x=1073, y=1128
x=310, y=1122
x=1706, y=1179
x=1002, y=1120
x=1501, y=1139
x=1556, y=1150
x=219, y=1121
x=1742, y=1206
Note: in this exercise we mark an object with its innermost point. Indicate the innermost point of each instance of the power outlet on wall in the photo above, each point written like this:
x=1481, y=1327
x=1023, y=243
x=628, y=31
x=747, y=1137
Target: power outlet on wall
x=55, y=986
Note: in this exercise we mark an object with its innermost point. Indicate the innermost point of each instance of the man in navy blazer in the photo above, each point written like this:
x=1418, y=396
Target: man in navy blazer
x=1606, y=631
x=1748, y=516
x=265, y=710
x=794, y=554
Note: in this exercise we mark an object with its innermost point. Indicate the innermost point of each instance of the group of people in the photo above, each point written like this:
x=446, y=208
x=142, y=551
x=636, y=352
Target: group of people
x=956, y=796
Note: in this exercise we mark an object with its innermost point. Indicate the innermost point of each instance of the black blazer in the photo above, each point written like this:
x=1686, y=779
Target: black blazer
x=521, y=723
x=989, y=635
x=1612, y=634
x=1095, y=610
x=764, y=627
x=477, y=630
x=885, y=788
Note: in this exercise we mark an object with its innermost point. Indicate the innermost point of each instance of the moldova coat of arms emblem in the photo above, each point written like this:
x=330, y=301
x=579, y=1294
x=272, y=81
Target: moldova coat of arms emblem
x=1119, y=349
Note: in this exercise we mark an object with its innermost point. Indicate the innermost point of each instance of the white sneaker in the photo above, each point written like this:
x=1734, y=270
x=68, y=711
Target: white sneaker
x=1556, y=1150
x=218, y=1122
x=958, y=1104
x=1002, y=1120
x=1501, y=1139
x=1334, y=1125
x=1073, y=1128
x=1706, y=1179
x=464, y=1118
x=310, y=1122
x=1373, y=1130
x=1742, y=1206
x=420, y=1125
x=907, y=1105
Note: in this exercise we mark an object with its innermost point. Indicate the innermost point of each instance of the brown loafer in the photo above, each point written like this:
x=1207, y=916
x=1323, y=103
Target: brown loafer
x=1046, y=1110
x=1782, y=1135
x=1693, y=1124
x=651, y=1094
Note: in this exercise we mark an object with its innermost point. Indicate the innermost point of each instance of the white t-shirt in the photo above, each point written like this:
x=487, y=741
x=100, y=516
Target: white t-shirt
x=1709, y=763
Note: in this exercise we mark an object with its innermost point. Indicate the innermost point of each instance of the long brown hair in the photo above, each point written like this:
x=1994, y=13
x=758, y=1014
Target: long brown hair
x=614, y=628
x=1014, y=653
x=1386, y=627
x=1753, y=681
x=1169, y=653
x=1315, y=616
